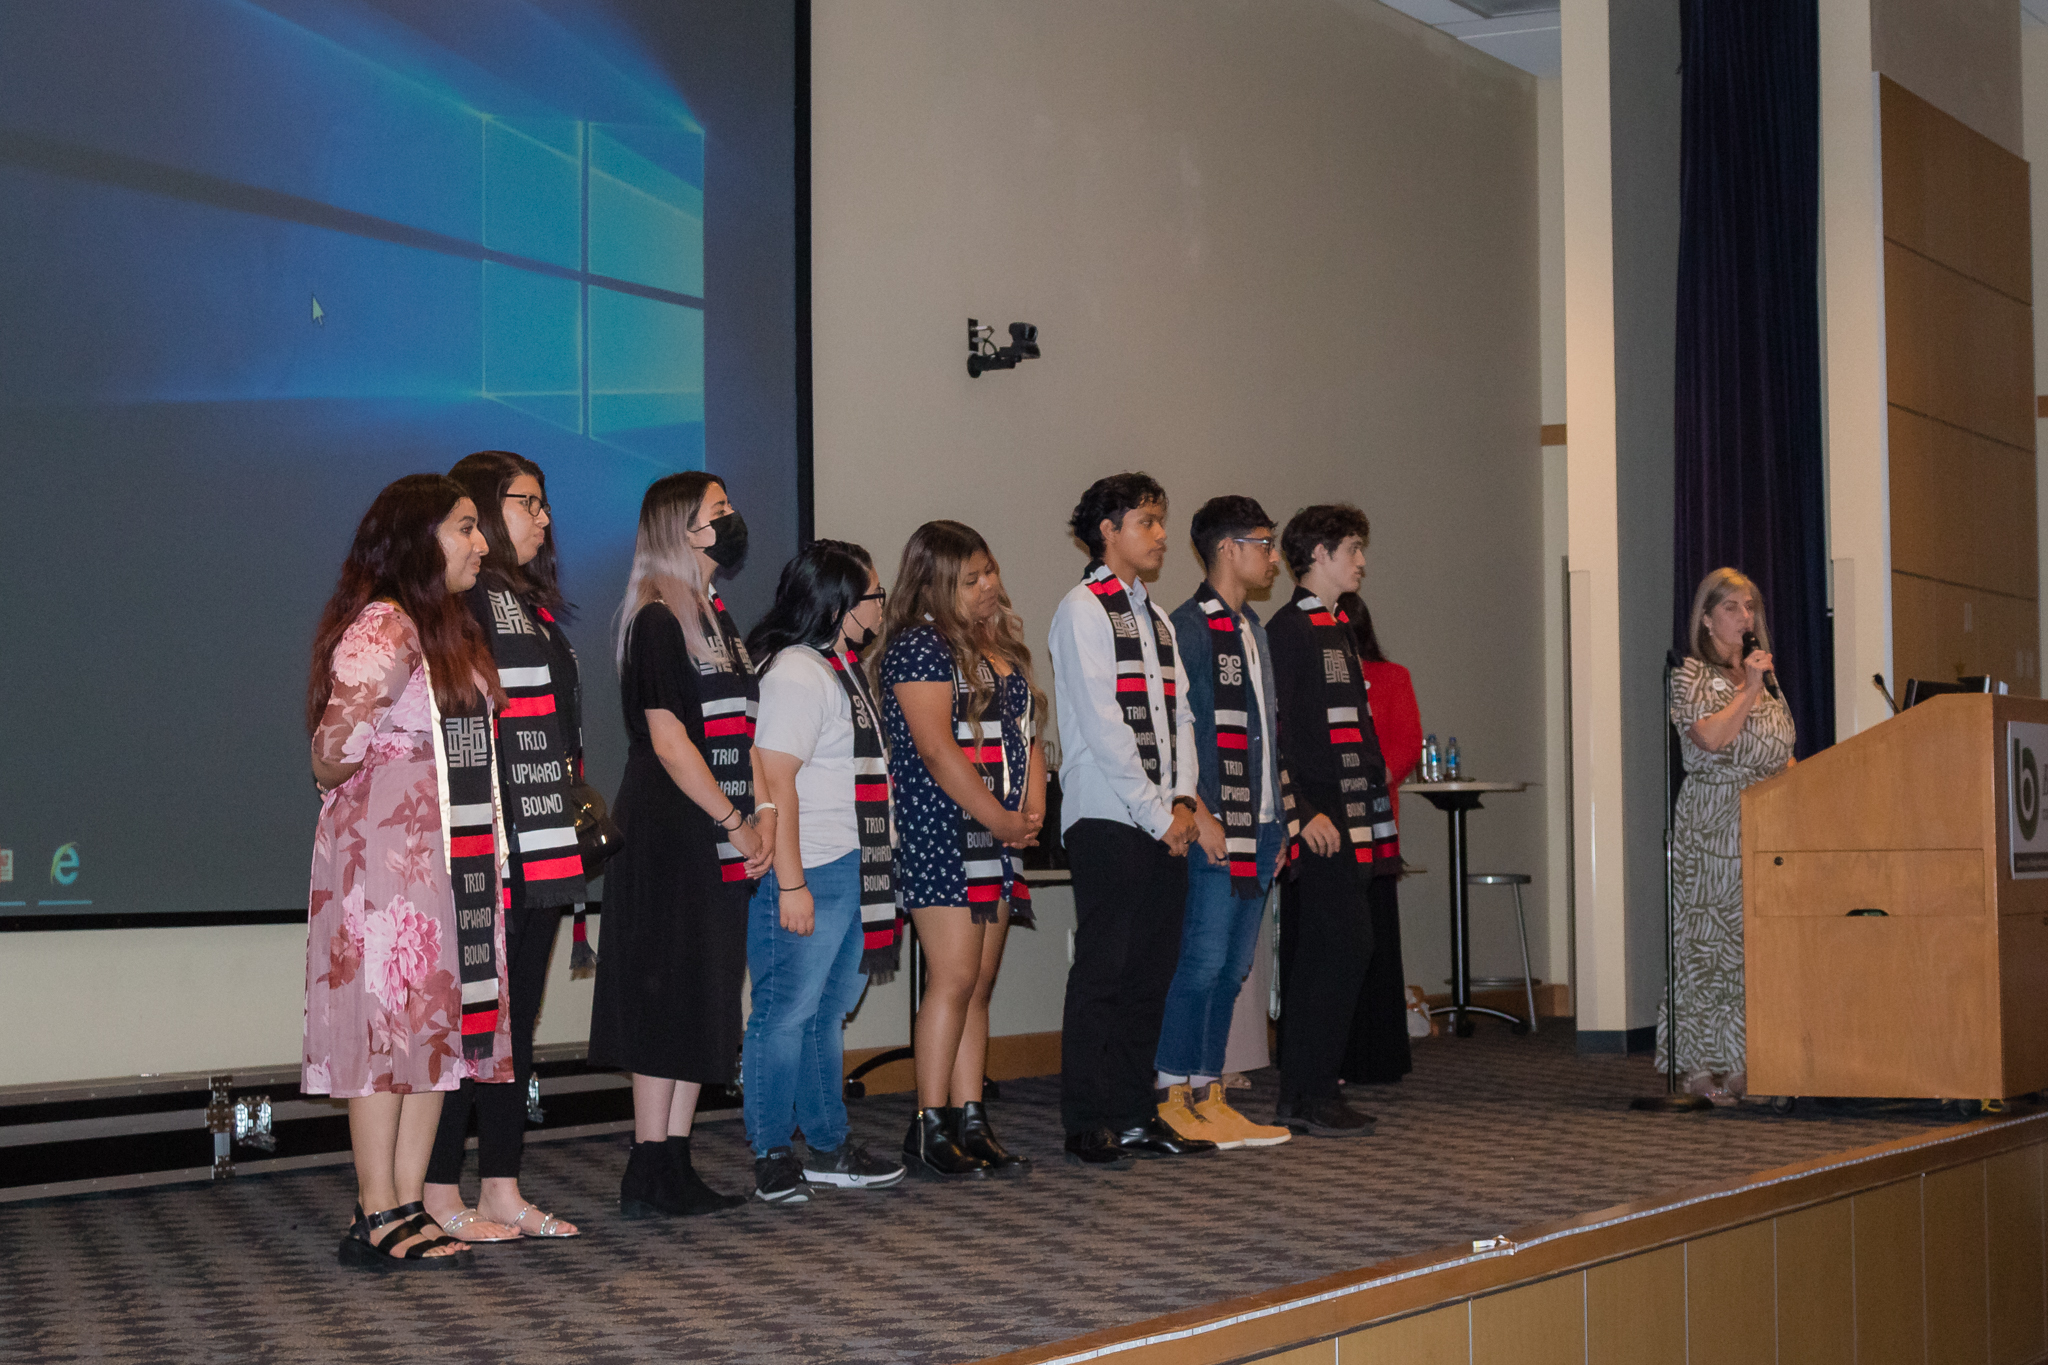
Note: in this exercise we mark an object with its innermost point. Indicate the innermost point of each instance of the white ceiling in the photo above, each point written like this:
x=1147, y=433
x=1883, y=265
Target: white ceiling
x=1530, y=41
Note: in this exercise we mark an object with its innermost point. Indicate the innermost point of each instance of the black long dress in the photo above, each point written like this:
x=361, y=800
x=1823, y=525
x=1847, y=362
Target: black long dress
x=672, y=947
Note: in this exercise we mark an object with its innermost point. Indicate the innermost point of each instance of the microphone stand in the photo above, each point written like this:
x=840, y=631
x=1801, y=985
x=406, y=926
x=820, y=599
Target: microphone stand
x=1673, y=1100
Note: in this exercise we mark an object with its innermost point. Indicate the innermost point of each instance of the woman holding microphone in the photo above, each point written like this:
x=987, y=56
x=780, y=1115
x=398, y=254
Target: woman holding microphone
x=1734, y=730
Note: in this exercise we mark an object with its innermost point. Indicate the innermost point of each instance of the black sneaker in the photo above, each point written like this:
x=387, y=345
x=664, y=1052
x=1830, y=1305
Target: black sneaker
x=1331, y=1117
x=851, y=1168
x=778, y=1179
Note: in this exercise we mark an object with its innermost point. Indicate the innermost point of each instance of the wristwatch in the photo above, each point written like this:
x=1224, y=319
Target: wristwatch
x=1187, y=801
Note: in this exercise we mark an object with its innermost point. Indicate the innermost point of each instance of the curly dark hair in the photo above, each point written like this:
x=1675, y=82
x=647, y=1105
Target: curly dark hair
x=1108, y=500
x=1327, y=524
x=1218, y=519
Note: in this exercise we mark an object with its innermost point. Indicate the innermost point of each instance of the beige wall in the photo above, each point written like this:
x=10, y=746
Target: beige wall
x=1287, y=250
x=1962, y=56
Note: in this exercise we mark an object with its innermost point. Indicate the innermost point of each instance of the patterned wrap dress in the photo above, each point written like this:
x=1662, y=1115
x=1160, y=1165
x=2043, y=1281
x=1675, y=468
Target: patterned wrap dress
x=383, y=986
x=1706, y=868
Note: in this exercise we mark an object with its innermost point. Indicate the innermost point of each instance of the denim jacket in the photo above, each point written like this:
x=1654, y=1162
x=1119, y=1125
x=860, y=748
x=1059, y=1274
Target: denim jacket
x=1198, y=657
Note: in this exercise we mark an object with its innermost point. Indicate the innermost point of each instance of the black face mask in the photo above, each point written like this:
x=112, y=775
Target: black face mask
x=859, y=642
x=730, y=547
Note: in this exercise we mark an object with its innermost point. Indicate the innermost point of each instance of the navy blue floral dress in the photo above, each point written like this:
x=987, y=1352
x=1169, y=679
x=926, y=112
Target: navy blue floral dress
x=928, y=869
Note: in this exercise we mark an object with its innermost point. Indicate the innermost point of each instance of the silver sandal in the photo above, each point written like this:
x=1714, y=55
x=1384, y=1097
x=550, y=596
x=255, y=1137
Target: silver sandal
x=549, y=1224
x=456, y=1222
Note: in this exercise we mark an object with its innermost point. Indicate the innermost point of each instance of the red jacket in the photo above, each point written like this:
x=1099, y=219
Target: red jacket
x=1397, y=720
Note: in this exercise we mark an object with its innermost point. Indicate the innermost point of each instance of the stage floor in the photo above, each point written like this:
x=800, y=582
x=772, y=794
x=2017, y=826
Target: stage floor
x=1489, y=1134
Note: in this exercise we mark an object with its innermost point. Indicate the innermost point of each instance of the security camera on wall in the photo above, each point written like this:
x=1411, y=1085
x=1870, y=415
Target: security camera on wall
x=984, y=354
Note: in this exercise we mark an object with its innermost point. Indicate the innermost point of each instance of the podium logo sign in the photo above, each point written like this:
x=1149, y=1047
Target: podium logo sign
x=2026, y=752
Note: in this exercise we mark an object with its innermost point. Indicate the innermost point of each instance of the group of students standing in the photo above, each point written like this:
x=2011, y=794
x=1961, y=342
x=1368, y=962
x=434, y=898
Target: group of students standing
x=790, y=798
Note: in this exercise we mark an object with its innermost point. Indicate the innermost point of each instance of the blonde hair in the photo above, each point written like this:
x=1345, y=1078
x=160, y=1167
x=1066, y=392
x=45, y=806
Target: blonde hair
x=666, y=569
x=1714, y=589
x=927, y=592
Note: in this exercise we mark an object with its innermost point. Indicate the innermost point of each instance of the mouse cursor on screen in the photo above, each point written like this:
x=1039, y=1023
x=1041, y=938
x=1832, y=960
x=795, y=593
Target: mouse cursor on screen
x=319, y=313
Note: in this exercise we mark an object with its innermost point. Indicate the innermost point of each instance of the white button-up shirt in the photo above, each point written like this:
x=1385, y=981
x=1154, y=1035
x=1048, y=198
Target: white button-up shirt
x=1101, y=777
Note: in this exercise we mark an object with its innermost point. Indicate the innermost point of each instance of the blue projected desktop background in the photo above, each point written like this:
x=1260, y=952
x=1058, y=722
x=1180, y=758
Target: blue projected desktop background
x=260, y=257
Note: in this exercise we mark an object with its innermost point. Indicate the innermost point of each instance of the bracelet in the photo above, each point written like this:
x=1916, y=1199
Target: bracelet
x=800, y=886
x=735, y=810
x=760, y=806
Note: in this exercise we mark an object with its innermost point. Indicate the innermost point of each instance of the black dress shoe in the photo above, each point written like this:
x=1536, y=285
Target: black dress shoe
x=1155, y=1137
x=1325, y=1118
x=1095, y=1147
x=929, y=1149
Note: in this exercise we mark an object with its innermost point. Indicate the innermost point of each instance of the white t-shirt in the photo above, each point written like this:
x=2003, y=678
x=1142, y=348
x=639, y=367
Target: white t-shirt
x=805, y=714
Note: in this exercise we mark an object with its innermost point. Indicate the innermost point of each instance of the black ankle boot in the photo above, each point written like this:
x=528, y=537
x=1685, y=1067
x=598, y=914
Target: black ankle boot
x=929, y=1148
x=976, y=1138
x=649, y=1189
x=693, y=1195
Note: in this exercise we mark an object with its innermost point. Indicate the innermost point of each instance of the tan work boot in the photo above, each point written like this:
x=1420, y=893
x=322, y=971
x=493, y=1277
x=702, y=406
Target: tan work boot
x=1181, y=1115
x=1242, y=1131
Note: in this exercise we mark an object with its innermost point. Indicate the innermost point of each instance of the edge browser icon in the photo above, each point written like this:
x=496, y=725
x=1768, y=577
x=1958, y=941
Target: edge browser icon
x=64, y=865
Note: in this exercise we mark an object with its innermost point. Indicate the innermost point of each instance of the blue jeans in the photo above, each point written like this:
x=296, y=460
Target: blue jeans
x=1217, y=938
x=792, y=1066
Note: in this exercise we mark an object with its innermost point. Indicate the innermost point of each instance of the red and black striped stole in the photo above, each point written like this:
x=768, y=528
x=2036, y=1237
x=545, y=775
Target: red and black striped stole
x=1234, y=698
x=462, y=750
x=879, y=956
x=992, y=875
x=1368, y=822
x=731, y=702
x=533, y=757
x=1132, y=696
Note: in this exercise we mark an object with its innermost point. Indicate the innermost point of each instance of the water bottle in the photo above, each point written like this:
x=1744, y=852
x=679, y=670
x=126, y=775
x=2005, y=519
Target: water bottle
x=1429, y=760
x=1451, y=761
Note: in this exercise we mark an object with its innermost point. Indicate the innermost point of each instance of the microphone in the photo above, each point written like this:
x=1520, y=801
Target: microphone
x=1749, y=647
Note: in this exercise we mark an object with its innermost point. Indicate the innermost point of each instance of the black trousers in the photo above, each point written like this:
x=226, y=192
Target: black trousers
x=1129, y=894
x=1378, y=1051
x=1326, y=945
x=501, y=1109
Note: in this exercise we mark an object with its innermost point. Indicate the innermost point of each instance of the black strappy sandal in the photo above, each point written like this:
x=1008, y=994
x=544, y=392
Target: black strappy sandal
x=413, y=1220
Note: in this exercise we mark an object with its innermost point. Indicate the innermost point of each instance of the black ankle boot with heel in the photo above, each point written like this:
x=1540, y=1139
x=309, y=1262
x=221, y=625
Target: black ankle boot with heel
x=930, y=1149
x=693, y=1195
x=649, y=1189
x=976, y=1138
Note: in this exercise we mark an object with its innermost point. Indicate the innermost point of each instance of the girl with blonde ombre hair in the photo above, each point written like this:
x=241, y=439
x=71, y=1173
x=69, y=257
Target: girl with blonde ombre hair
x=1733, y=732
x=962, y=713
x=673, y=950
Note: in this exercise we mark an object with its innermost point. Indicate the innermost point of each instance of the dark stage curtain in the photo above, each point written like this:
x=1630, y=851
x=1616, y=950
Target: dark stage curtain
x=1749, y=480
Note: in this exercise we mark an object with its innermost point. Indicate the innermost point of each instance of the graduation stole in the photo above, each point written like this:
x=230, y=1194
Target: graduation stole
x=1131, y=693
x=879, y=952
x=990, y=869
x=472, y=830
x=1234, y=697
x=731, y=701
x=533, y=766
x=1368, y=819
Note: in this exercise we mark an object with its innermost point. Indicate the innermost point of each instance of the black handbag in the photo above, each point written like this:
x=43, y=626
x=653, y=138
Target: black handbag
x=598, y=837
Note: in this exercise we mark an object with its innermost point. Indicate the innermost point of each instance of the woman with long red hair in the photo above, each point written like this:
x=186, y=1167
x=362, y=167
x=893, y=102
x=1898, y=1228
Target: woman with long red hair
x=405, y=979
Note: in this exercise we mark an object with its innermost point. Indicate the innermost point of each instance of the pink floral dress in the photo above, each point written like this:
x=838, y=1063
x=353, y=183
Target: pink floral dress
x=383, y=989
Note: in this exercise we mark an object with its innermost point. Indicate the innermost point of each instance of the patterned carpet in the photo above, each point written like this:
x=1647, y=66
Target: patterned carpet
x=1489, y=1134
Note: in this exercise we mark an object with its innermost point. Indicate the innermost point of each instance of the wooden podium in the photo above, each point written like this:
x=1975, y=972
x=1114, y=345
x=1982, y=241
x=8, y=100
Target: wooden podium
x=1944, y=993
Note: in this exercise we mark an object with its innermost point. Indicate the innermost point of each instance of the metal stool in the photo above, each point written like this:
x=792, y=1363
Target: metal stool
x=1517, y=880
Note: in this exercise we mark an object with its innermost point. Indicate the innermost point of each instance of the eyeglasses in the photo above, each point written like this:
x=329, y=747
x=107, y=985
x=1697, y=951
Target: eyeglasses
x=1263, y=542
x=878, y=595
x=536, y=505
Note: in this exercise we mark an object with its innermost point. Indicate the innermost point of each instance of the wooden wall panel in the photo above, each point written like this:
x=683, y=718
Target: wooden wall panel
x=1891, y=1323
x=1732, y=1297
x=2018, y=1259
x=1538, y=1324
x=1927, y=640
x=1815, y=1272
x=1943, y=631
x=1635, y=1310
x=1962, y=507
x=1953, y=194
x=1958, y=1299
x=1443, y=1337
x=1956, y=350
